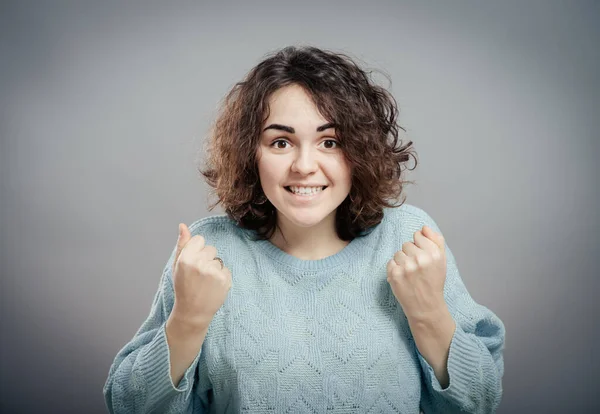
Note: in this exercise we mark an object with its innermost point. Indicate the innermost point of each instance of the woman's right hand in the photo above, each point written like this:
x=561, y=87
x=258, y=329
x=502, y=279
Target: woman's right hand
x=200, y=284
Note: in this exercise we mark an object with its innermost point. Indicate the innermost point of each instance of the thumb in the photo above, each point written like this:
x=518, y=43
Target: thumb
x=184, y=237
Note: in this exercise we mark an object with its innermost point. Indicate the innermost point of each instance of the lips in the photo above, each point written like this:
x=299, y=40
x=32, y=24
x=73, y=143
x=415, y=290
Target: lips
x=287, y=187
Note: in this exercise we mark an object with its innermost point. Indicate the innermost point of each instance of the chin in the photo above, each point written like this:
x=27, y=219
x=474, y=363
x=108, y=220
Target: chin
x=305, y=219
x=306, y=223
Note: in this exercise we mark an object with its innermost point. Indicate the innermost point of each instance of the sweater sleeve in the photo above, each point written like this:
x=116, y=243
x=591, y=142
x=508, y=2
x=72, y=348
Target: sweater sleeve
x=139, y=380
x=475, y=362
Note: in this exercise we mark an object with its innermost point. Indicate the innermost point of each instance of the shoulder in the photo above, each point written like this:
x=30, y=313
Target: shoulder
x=408, y=218
x=407, y=214
x=404, y=221
x=222, y=232
x=216, y=227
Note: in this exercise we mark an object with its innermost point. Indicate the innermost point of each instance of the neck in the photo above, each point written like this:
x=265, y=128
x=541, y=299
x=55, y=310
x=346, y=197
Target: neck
x=315, y=243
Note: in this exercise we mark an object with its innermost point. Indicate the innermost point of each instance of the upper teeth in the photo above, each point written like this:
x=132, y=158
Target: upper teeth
x=306, y=190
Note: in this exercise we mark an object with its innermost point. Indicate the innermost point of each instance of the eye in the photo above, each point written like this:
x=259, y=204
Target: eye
x=331, y=144
x=280, y=144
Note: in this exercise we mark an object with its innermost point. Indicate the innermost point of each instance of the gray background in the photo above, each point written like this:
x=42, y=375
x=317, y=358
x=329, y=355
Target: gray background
x=105, y=105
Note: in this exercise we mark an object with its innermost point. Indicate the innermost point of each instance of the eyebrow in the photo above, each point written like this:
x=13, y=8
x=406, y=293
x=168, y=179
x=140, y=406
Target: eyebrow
x=292, y=130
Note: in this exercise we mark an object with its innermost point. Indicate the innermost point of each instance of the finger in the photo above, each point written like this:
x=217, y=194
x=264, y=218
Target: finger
x=207, y=254
x=434, y=236
x=424, y=243
x=229, y=279
x=183, y=238
x=196, y=244
x=194, y=247
x=395, y=271
x=391, y=264
x=415, y=256
x=227, y=274
x=212, y=265
x=400, y=257
x=411, y=250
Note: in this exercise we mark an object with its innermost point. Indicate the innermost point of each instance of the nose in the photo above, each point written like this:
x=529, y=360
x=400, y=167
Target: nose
x=305, y=162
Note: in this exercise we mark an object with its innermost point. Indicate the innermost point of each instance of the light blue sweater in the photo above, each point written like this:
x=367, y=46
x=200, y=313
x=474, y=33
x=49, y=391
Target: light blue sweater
x=312, y=336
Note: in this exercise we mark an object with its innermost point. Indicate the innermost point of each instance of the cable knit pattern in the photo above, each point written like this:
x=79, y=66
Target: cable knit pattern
x=312, y=336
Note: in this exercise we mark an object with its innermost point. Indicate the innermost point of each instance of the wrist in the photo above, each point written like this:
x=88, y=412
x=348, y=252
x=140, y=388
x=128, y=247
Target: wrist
x=187, y=324
x=431, y=320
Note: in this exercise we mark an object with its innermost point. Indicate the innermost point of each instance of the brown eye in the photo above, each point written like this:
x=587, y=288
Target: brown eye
x=280, y=144
x=331, y=144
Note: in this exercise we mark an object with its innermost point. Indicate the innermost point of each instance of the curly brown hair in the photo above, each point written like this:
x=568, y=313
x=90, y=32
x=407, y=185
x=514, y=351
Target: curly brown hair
x=365, y=118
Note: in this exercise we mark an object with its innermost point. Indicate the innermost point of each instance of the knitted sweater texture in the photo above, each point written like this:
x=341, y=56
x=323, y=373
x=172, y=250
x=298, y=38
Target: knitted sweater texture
x=311, y=336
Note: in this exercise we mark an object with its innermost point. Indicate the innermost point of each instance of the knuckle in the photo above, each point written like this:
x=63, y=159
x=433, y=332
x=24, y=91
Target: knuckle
x=421, y=261
x=186, y=261
x=208, y=253
x=212, y=267
x=199, y=239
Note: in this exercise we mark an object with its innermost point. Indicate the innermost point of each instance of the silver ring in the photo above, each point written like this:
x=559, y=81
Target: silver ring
x=220, y=261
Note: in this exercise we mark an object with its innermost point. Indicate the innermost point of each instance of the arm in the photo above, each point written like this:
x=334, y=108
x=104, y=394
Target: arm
x=473, y=360
x=185, y=341
x=143, y=375
x=433, y=337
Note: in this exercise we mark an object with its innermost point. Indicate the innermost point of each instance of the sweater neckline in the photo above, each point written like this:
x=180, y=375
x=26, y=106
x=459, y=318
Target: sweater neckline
x=344, y=256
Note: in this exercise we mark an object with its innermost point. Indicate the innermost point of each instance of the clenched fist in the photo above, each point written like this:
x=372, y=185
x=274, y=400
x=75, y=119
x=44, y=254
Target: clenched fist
x=417, y=274
x=199, y=280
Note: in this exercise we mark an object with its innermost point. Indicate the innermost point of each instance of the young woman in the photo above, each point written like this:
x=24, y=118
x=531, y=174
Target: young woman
x=315, y=292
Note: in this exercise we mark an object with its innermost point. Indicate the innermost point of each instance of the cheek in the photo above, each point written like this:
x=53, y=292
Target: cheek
x=269, y=171
x=343, y=171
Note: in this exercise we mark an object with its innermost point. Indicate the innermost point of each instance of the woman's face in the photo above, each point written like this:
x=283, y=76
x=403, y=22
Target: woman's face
x=298, y=156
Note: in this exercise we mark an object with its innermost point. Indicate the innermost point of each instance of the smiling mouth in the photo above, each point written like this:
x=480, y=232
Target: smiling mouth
x=290, y=190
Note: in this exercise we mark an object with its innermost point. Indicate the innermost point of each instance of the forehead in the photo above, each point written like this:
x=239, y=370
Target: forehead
x=293, y=103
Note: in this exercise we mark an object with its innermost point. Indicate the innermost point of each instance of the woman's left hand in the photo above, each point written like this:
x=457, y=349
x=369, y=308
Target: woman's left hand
x=417, y=274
